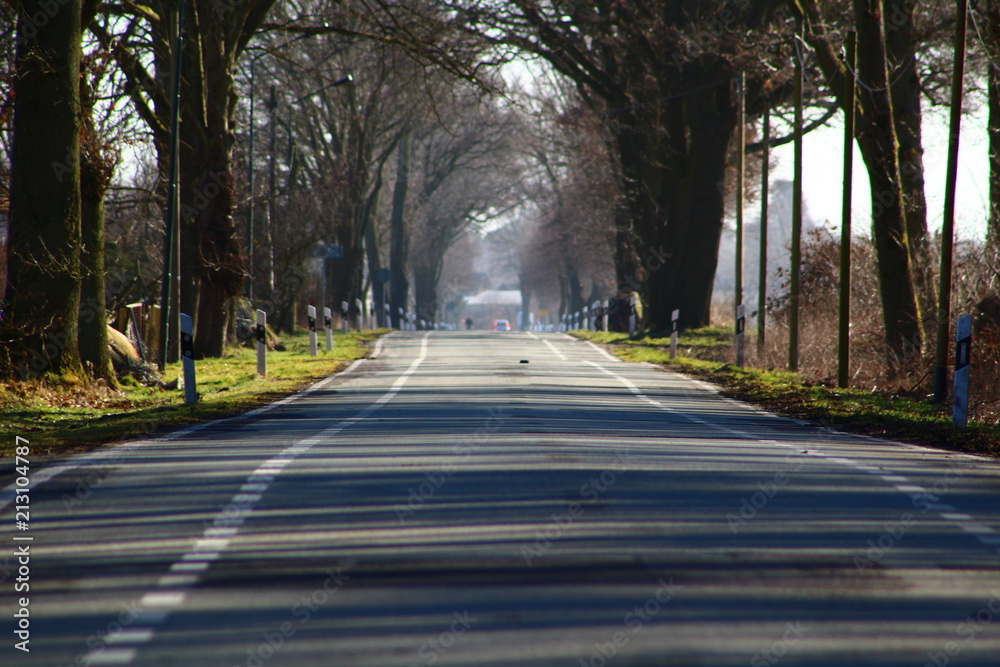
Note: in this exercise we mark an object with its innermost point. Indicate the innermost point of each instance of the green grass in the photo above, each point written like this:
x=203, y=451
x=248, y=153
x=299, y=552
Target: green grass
x=62, y=420
x=880, y=414
x=704, y=339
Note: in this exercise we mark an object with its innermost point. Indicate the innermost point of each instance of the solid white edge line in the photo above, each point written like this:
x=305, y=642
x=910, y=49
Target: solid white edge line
x=603, y=352
x=111, y=656
x=961, y=520
x=562, y=357
x=378, y=345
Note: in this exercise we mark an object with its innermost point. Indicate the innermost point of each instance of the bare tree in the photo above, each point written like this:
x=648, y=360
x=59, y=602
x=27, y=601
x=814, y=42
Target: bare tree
x=344, y=136
x=889, y=139
x=216, y=34
x=467, y=172
x=990, y=22
x=578, y=195
x=663, y=78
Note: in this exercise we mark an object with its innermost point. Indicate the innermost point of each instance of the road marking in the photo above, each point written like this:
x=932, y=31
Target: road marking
x=640, y=395
x=552, y=347
x=112, y=656
x=168, y=599
x=210, y=545
x=176, y=580
x=962, y=521
x=378, y=346
x=95, y=457
x=130, y=636
x=603, y=352
x=973, y=527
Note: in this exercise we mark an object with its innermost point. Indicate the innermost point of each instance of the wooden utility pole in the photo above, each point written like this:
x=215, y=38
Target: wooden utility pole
x=796, y=259
x=171, y=288
x=948, y=224
x=762, y=269
x=741, y=149
x=844, y=323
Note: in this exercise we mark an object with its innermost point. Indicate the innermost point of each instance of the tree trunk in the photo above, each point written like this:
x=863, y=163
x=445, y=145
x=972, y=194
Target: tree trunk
x=905, y=91
x=374, y=271
x=879, y=148
x=426, y=278
x=212, y=316
x=212, y=258
x=574, y=288
x=344, y=275
x=39, y=329
x=993, y=95
x=679, y=205
x=398, y=244
x=96, y=169
x=525, y=321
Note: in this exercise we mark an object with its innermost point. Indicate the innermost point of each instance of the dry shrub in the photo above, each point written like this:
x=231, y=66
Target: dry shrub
x=871, y=366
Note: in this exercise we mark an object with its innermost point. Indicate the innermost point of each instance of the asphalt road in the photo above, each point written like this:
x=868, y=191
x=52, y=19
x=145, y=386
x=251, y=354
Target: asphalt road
x=449, y=504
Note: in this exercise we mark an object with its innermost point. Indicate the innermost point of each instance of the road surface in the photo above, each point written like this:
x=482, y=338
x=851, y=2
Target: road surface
x=507, y=499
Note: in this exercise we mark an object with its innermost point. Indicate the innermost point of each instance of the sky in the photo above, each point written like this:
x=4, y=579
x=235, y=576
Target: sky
x=823, y=174
x=823, y=165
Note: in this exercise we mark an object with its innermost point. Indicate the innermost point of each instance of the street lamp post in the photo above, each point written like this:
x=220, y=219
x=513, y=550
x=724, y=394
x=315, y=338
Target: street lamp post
x=250, y=168
x=250, y=156
x=171, y=273
x=291, y=106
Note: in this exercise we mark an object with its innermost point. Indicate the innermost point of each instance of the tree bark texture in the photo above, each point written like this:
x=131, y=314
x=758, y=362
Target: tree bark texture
x=879, y=147
x=904, y=78
x=674, y=189
x=39, y=329
x=97, y=164
x=993, y=101
x=399, y=286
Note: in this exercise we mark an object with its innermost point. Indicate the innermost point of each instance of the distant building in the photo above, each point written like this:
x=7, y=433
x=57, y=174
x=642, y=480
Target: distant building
x=779, y=236
x=491, y=305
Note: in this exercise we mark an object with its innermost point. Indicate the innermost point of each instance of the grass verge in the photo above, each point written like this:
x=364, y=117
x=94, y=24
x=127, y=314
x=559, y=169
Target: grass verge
x=880, y=414
x=59, y=420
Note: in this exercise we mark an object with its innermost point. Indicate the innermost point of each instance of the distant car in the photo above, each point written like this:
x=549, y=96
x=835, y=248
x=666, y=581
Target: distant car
x=501, y=325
